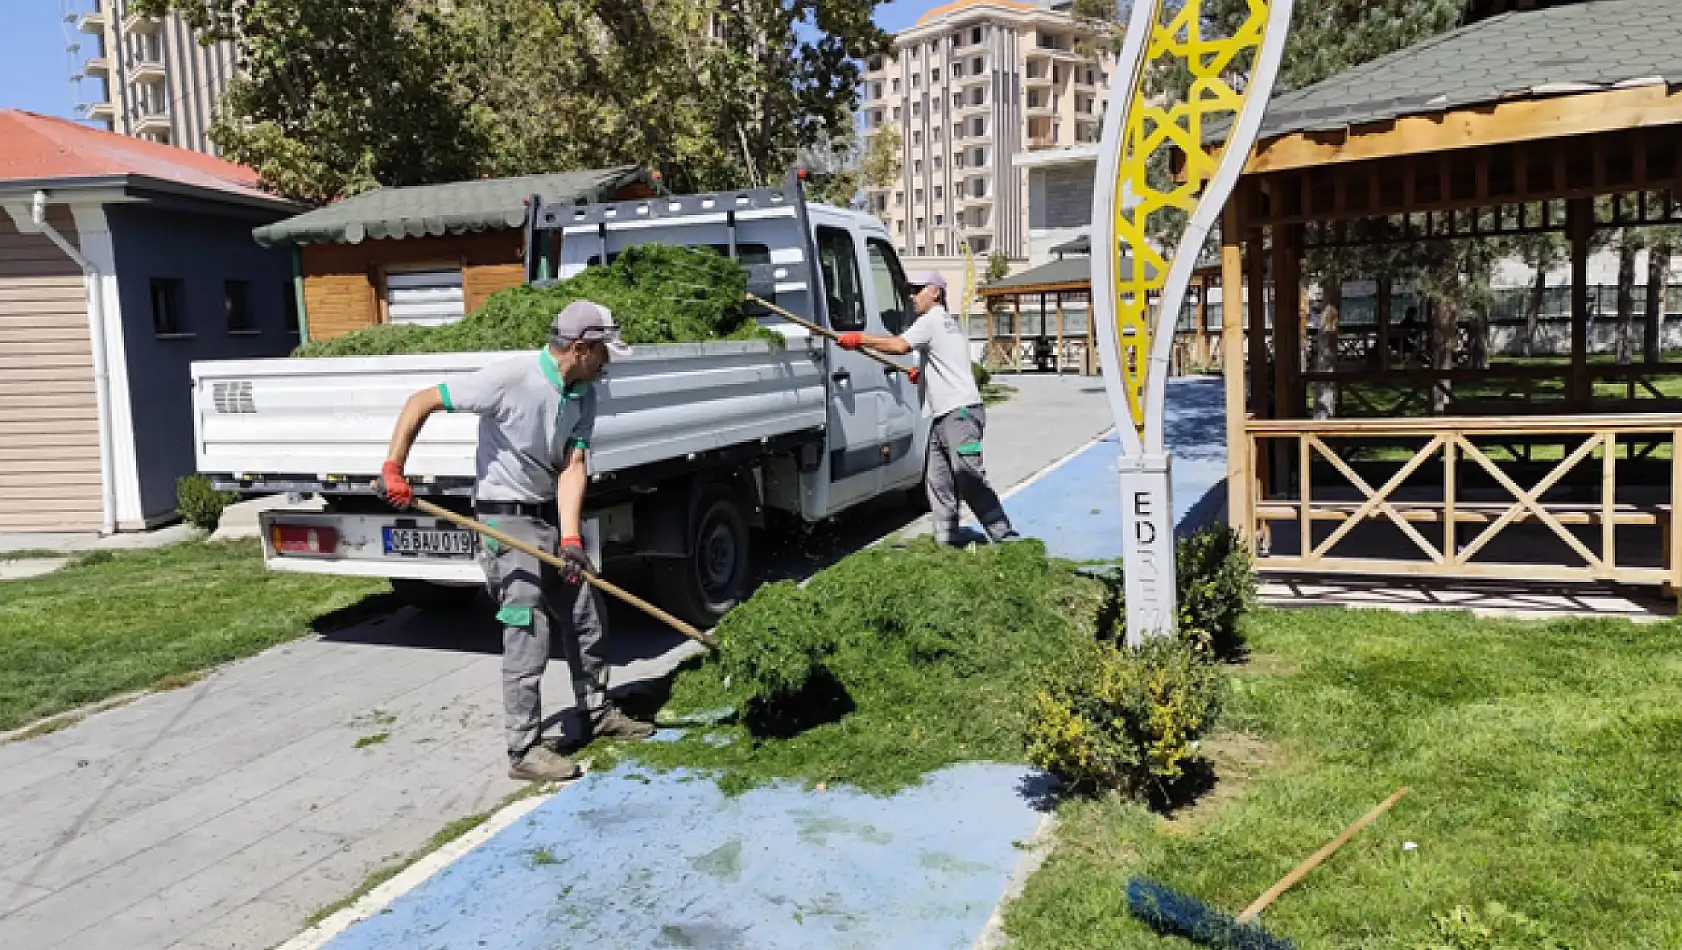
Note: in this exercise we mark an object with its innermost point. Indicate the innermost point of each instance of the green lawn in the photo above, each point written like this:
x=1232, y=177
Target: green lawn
x=1545, y=773
x=115, y=622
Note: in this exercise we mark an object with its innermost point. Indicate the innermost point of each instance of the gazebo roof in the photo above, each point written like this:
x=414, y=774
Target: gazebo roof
x=1583, y=47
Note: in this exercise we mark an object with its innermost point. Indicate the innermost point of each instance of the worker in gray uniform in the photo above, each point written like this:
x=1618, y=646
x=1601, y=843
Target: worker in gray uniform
x=536, y=416
x=955, y=472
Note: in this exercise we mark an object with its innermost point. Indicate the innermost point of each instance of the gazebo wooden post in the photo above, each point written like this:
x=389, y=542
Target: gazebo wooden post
x=1059, y=351
x=1287, y=346
x=1203, y=320
x=1239, y=480
x=1016, y=333
x=1383, y=319
x=1579, y=225
x=1259, y=389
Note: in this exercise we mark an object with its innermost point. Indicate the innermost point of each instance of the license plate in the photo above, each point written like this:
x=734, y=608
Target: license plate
x=429, y=542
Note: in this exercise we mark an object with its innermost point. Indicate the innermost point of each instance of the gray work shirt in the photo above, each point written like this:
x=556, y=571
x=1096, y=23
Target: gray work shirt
x=948, y=381
x=529, y=421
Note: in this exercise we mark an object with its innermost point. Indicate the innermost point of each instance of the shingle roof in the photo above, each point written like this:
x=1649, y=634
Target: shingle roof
x=1069, y=270
x=39, y=148
x=1583, y=47
x=453, y=208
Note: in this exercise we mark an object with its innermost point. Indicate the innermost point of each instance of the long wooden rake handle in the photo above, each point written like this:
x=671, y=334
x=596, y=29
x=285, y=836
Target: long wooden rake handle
x=473, y=524
x=1254, y=910
x=821, y=331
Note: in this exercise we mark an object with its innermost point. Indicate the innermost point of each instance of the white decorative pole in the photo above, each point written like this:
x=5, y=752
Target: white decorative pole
x=1135, y=331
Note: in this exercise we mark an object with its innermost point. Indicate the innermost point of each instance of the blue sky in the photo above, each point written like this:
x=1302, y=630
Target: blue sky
x=35, y=70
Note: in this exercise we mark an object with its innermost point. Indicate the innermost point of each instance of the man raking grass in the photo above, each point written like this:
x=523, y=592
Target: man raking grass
x=536, y=418
x=956, y=473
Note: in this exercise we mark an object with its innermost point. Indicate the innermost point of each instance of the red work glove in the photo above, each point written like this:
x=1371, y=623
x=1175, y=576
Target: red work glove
x=394, y=488
x=915, y=375
x=577, y=560
x=850, y=341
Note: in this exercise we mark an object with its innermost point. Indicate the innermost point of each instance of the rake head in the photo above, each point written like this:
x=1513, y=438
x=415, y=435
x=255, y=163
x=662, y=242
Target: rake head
x=1168, y=911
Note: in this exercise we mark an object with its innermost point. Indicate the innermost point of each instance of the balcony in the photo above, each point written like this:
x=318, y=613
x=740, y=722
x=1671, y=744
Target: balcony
x=149, y=121
x=97, y=67
x=1043, y=80
x=1039, y=142
x=135, y=23
x=93, y=22
x=103, y=111
x=144, y=69
x=1044, y=108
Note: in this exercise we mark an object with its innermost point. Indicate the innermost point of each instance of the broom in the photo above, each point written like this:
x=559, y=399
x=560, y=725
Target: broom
x=1168, y=911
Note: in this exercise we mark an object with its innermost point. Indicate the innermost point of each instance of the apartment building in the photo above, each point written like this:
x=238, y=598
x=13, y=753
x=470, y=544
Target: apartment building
x=974, y=84
x=150, y=77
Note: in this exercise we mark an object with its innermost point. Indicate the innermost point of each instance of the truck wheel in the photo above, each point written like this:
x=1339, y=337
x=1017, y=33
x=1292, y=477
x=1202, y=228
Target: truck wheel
x=425, y=595
x=704, y=586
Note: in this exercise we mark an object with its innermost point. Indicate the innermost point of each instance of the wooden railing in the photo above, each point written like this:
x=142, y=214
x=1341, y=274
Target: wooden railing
x=1431, y=497
x=1504, y=388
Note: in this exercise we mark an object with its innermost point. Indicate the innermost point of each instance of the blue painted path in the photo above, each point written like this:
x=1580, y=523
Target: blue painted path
x=620, y=860
x=1076, y=509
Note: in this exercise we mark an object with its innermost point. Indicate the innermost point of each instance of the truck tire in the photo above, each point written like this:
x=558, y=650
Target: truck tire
x=425, y=595
x=705, y=585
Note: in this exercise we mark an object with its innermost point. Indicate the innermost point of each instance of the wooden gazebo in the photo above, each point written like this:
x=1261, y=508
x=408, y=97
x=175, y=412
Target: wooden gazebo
x=1064, y=284
x=1561, y=119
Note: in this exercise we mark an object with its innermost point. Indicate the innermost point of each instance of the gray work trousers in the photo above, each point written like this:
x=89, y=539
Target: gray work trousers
x=532, y=602
x=956, y=474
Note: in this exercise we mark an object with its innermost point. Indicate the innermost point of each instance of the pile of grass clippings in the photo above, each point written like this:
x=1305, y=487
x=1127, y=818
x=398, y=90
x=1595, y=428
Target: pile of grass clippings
x=892, y=663
x=658, y=294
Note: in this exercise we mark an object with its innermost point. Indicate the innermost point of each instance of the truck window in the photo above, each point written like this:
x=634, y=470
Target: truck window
x=891, y=293
x=840, y=265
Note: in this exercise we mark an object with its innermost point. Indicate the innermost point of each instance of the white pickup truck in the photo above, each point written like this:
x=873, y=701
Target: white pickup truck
x=695, y=443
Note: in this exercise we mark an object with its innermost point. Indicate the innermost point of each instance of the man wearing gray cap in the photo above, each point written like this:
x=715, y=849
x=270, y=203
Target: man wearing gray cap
x=536, y=417
x=955, y=471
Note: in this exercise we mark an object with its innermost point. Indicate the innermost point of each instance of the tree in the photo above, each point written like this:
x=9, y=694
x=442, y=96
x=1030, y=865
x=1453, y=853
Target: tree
x=341, y=95
x=998, y=267
x=1542, y=252
x=333, y=97
x=1661, y=244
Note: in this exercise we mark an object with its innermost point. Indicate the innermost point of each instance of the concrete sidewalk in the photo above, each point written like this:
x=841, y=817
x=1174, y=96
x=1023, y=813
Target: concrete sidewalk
x=220, y=816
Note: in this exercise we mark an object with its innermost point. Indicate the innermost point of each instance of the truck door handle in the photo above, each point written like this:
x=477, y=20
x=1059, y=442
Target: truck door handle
x=841, y=376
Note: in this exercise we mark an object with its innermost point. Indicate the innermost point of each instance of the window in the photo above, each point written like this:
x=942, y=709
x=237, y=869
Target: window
x=896, y=87
x=1033, y=98
x=979, y=158
x=934, y=74
x=940, y=250
x=235, y=294
x=940, y=220
x=977, y=66
x=958, y=160
x=914, y=78
x=922, y=250
x=978, y=96
x=917, y=168
x=875, y=63
x=1089, y=76
x=975, y=35
x=916, y=109
x=917, y=139
x=937, y=168
x=166, y=307
x=892, y=300
x=937, y=133
x=978, y=187
x=844, y=296
x=1056, y=74
x=919, y=224
x=957, y=130
x=957, y=100
x=896, y=113
x=939, y=193
x=957, y=70
x=290, y=296
x=899, y=198
x=901, y=226
x=978, y=125
x=919, y=196
x=876, y=90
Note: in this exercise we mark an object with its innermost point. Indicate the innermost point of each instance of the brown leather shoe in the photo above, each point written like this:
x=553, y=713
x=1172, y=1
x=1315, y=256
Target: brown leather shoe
x=539, y=764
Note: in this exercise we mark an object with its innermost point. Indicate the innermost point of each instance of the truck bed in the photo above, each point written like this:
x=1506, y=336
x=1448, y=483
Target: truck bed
x=274, y=421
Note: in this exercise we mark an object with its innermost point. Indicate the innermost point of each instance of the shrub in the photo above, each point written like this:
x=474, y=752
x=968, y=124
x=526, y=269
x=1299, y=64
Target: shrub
x=1497, y=928
x=1117, y=717
x=982, y=375
x=1216, y=586
x=199, y=504
x=658, y=294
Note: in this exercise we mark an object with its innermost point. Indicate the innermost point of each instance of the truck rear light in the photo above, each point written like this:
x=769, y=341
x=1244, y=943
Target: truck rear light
x=304, y=539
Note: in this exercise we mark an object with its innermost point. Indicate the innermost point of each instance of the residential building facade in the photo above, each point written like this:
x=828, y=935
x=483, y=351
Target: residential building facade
x=150, y=77
x=974, y=84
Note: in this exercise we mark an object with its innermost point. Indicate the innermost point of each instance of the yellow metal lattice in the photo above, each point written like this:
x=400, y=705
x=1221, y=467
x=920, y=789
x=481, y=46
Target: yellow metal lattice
x=1153, y=128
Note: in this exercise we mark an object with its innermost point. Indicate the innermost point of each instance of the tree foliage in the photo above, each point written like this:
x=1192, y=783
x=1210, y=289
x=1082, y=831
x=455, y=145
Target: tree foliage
x=337, y=96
